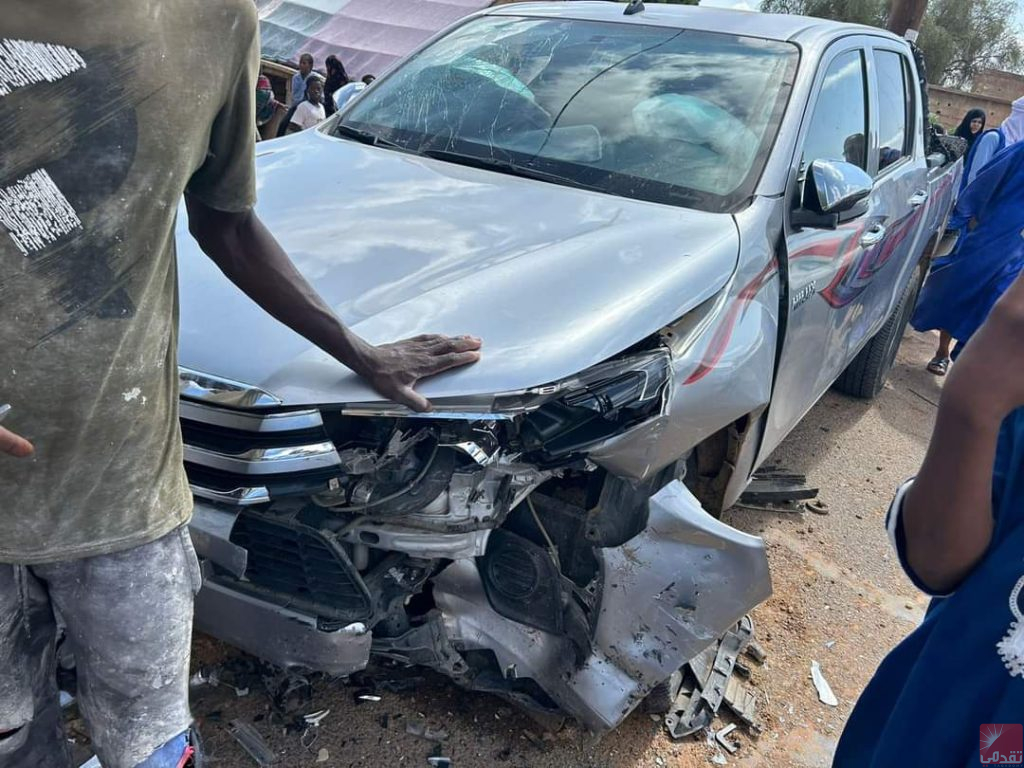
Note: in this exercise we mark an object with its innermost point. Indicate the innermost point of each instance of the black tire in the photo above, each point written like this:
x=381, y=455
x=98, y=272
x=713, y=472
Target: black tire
x=866, y=375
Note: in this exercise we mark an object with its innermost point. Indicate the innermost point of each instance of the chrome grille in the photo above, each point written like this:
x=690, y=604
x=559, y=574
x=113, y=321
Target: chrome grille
x=248, y=457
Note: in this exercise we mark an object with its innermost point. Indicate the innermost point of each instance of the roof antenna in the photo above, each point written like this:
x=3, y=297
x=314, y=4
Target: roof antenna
x=635, y=6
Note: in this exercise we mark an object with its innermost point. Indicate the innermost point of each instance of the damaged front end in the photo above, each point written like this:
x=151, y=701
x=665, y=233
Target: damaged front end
x=481, y=542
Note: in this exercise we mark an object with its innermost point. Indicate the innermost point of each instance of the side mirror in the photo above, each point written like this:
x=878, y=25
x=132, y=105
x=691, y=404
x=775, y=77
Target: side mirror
x=832, y=188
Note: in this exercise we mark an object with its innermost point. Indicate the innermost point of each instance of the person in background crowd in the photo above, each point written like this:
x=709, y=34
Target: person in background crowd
x=266, y=105
x=990, y=142
x=958, y=530
x=963, y=285
x=348, y=92
x=971, y=127
x=299, y=78
x=311, y=110
x=336, y=78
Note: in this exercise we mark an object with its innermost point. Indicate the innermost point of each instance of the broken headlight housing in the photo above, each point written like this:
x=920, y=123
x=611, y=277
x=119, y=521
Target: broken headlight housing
x=598, y=404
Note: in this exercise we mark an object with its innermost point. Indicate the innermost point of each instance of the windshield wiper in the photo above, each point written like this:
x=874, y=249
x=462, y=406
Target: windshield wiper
x=365, y=137
x=506, y=166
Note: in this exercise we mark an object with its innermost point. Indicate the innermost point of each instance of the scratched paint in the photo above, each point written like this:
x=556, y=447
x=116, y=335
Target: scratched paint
x=23, y=62
x=35, y=213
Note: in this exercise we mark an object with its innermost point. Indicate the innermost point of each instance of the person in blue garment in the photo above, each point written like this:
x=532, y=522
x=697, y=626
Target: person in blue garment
x=958, y=529
x=990, y=143
x=962, y=286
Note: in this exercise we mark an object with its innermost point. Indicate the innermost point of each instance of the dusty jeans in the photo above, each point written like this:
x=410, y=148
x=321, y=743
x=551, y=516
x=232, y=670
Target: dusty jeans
x=129, y=625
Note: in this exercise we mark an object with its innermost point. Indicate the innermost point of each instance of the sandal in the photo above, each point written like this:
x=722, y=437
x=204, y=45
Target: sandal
x=939, y=366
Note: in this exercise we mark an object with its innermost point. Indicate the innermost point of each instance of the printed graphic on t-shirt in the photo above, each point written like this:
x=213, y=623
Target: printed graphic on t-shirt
x=70, y=137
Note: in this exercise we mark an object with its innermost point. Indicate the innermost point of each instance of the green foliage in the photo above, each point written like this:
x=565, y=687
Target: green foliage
x=871, y=12
x=959, y=38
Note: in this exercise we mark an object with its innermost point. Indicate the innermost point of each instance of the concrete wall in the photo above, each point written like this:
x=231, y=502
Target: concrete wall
x=994, y=91
x=999, y=84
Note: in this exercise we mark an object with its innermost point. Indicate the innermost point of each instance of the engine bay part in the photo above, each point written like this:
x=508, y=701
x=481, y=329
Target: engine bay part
x=490, y=550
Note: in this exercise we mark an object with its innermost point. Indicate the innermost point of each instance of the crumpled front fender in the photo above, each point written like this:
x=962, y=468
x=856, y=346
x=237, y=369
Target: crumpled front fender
x=668, y=593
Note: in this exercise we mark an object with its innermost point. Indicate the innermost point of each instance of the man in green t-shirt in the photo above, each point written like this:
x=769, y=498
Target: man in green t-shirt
x=110, y=112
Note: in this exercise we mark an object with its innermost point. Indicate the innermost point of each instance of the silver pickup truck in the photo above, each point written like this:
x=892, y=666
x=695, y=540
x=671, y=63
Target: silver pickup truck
x=674, y=229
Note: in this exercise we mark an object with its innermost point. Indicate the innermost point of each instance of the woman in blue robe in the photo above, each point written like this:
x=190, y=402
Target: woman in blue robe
x=952, y=693
x=963, y=286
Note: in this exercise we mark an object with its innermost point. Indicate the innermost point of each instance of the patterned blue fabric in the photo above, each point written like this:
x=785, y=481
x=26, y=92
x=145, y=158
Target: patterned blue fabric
x=930, y=696
x=963, y=286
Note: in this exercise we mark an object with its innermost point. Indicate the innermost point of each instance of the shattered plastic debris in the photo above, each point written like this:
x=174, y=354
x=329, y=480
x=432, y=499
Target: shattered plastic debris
x=251, y=741
x=721, y=737
x=323, y=755
x=821, y=684
x=756, y=651
x=92, y=762
x=314, y=719
x=706, y=680
x=720, y=759
x=830, y=644
x=66, y=699
x=440, y=762
x=424, y=731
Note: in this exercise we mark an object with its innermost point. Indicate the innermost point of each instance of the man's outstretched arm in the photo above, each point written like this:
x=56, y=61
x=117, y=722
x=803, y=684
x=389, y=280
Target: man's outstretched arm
x=249, y=255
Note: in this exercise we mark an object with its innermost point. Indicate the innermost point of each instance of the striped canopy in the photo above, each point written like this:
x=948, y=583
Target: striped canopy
x=367, y=35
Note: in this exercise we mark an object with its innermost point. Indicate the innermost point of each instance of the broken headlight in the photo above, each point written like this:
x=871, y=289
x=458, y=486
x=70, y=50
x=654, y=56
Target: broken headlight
x=598, y=404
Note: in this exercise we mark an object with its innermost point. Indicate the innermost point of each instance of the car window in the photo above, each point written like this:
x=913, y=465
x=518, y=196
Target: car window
x=892, y=108
x=668, y=115
x=839, y=122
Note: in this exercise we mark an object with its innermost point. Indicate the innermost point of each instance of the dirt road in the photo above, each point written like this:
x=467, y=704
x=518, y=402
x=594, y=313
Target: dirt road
x=834, y=577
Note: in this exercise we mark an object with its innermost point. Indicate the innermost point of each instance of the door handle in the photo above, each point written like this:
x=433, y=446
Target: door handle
x=874, y=235
x=918, y=199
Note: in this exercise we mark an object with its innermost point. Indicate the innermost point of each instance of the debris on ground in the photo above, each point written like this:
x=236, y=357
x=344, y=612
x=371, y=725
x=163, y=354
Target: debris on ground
x=825, y=694
x=756, y=651
x=289, y=691
x=709, y=679
x=721, y=737
x=251, y=741
x=719, y=759
x=323, y=755
x=314, y=719
x=817, y=506
x=424, y=731
x=743, y=703
x=773, y=486
x=440, y=762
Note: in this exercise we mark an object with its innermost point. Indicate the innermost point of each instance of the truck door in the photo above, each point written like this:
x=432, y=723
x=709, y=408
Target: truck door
x=899, y=198
x=822, y=306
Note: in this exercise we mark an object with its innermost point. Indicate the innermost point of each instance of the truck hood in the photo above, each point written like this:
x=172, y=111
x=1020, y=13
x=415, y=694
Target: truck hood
x=553, y=279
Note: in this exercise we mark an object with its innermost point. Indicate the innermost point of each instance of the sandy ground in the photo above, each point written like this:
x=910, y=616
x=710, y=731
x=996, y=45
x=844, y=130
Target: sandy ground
x=834, y=578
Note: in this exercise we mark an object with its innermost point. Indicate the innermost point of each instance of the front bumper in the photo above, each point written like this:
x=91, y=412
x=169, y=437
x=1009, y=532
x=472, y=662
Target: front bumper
x=266, y=630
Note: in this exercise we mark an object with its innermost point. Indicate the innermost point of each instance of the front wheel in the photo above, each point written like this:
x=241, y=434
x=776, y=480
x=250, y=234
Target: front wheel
x=866, y=375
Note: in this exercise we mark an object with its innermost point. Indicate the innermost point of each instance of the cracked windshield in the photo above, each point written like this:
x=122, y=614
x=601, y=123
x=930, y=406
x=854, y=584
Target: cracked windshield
x=665, y=115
